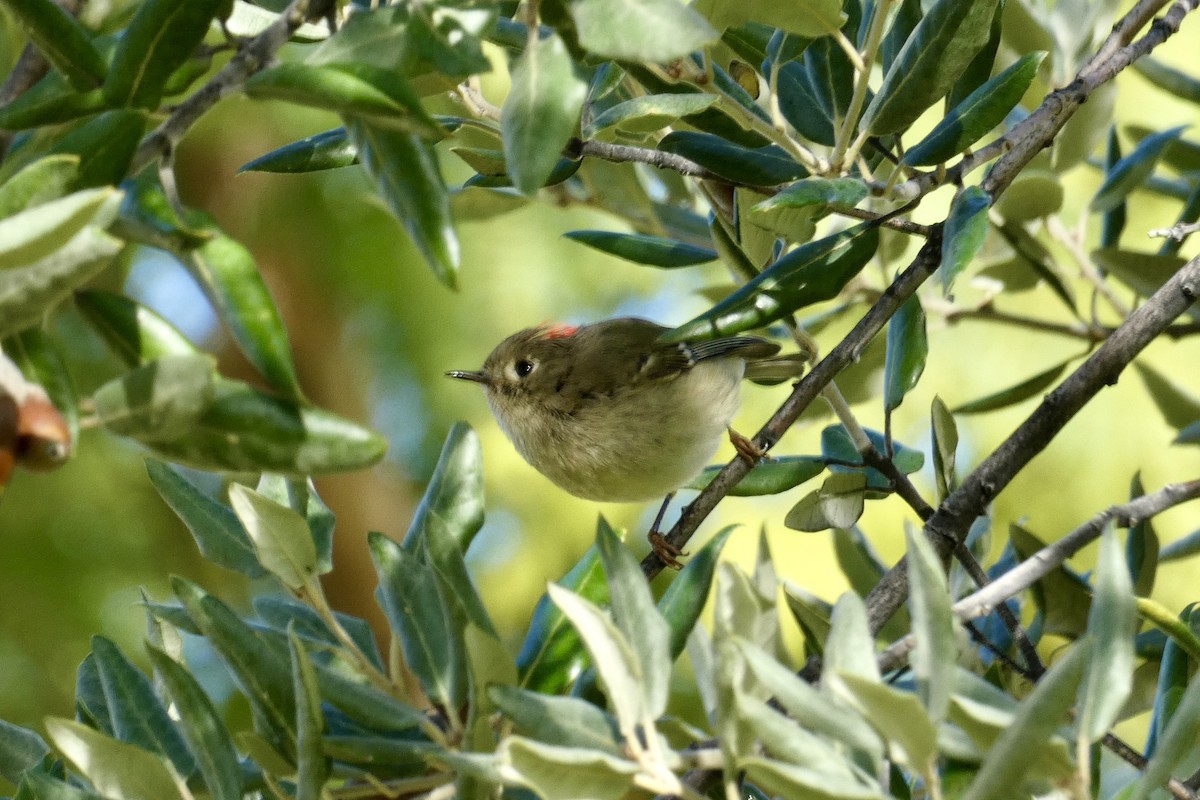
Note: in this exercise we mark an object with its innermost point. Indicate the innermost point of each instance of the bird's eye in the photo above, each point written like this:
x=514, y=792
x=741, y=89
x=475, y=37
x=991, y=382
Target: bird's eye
x=523, y=368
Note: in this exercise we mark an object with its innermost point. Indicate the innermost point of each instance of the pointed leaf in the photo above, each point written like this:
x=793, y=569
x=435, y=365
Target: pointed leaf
x=1129, y=173
x=37, y=183
x=202, y=727
x=38, y=232
x=20, y=749
x=312, y=765
x=405, y=171
x=138, y=716
x=1176, y=744
x=64, y=42
x=773, y=476
x=327, y=150
x=837, y=504
x=936, y=650
x=966, y=228
x=454, y=495
x=637, y=619
x=945, y=447
x=105, y=146
x=417, y=613
x=541, y=111
x=593, y=774
x=614, y=659
x=685, y=598
x=227, y=273
x=381, y=96
x=160, y=38
x=898, y=716
x=649, y=113
x=218, y=534
x=1016, y=393
x=907, y=349
x=558, y=720
x=977, y=114
x=642, y=248
x=1112, y=622
x=809, y=274
x=753, y=166
x=935, y=55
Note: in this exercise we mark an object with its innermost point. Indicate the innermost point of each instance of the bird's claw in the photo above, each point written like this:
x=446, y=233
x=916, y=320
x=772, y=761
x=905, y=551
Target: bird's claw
x=667, y=552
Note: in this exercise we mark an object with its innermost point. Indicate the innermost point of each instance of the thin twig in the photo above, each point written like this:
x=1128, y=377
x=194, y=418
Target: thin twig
x=1178, y=232
x=251, y=58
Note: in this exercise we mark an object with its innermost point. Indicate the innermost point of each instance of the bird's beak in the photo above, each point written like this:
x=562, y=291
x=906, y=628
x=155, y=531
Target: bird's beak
x=478, y=377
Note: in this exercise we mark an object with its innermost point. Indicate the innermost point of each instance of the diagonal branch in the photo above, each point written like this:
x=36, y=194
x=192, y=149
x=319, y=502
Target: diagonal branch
x=1102, y=368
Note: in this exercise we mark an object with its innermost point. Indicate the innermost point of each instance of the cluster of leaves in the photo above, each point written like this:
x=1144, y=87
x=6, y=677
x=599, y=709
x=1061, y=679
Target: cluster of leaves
x=771, y=106
x=583, y=711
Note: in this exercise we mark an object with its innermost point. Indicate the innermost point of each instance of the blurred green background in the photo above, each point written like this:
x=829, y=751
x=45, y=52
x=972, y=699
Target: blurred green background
x=373, y=332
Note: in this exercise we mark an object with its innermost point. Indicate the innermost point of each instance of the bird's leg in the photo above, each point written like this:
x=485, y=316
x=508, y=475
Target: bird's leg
x=746, y=448
x=668, y=552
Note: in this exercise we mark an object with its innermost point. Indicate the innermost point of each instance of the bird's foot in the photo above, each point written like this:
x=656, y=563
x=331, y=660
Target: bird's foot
x=746, y=448
x=666, y=551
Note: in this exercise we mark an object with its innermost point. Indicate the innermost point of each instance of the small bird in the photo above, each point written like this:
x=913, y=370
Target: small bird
x=608, y=412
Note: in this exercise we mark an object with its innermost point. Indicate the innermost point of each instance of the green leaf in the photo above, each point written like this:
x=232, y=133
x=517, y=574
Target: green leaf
x=976, y=73
x=279, y=611
x=746, y=166
x=377, y=95
x=1061, y=596
x=105, y=145
x=114, y=768
x=1114, y=219
x=1038, y=715
x=454, y=496
x=594, y=774
x=935, y=55
x=977, y=114
x=312, y=765
x=811, y=614
x=616, y=662
x=637, y=618
x=1176, y=743
x=405, y=171
x=202, y=727
x=1142, y=272
x=50, y=101
x=230, y=279
x=682, y=602
x=1178, y=406
x=38, y=182
x=416, y=611
x=642, y=248
x=259, y=667
x=160, y=401
x=800, y=105
x=1016, y=393
x=807, y=18
x=218, y=534
x=160, y=38
x=831, y=75
x=551, y=655
x=849, y=650
x=812, y=194
x=442, y=551
x=65, y=43
x=823, y=713
x=149, y=217
x=837, y=504
x=649, y=113
x=540, y=113
x=40, y=231
x=907, y=349
x=945, y=447
x=652, y=31
x=245, y=430
x=135, y=333
x=327, y=150
x=138, y=716
x=281, y=537
x=1141, y=547
x=1167, y=78
x=773, y=476
x=1129, y=173
x=566, y=721
x=936, y=650
x=1112, y=622
x=20, y=749
x=809, y=274
x=966, y=228
x=898, y=716
x=406, y=756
